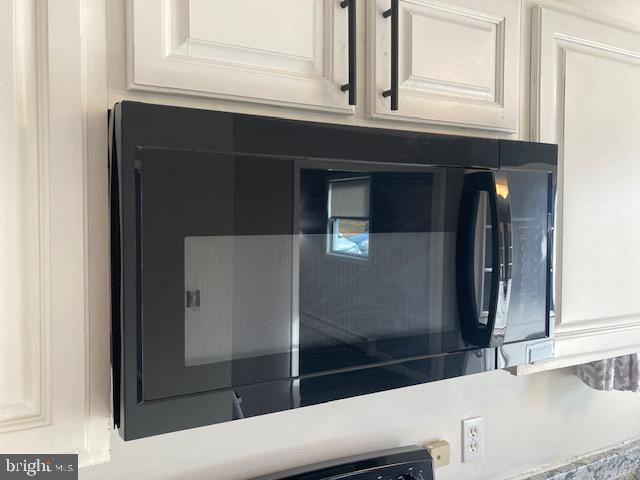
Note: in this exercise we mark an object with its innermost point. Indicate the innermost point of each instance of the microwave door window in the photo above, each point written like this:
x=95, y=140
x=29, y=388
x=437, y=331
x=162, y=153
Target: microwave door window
x=256, y=270
x=376, y=273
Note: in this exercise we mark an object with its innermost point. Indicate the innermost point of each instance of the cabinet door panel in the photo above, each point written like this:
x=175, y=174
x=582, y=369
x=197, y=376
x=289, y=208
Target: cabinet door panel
x=23, y=401
x=458, y=62
x=601, y=195
x=587, y=100
x=54, y=294
x=283, y=52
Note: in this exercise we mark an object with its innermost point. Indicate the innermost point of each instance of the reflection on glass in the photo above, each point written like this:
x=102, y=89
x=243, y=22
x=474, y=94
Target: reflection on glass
x=348, y=210
x=243, y=287
x=400, y=301
x=349, y=236
x=274, y=305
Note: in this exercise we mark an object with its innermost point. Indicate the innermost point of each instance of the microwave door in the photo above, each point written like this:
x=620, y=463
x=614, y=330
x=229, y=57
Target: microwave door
x=313, y=279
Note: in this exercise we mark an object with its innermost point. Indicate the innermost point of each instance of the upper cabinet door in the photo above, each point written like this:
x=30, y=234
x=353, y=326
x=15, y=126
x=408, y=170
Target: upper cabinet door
x=586, y=98
x=458, y=62
x=291, y=53
x=54, y=237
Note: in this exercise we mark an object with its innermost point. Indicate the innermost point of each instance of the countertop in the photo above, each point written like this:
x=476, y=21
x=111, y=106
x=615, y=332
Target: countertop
x=619, y=463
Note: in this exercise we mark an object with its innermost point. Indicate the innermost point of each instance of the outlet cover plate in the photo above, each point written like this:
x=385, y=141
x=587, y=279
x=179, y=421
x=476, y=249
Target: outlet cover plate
x=472, y=439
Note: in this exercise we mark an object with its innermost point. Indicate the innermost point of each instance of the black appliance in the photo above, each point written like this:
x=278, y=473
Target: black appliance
x=263, y=264
x=404, y=463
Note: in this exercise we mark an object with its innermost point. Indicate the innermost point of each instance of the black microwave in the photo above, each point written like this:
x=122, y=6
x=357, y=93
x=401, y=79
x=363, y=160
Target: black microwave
x=263, y=264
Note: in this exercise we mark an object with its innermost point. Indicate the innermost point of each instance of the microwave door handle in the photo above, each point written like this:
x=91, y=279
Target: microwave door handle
x=491, y=333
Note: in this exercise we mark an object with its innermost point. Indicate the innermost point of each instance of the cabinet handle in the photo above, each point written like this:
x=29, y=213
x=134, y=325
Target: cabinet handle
x=351, y=86
x=393, y=91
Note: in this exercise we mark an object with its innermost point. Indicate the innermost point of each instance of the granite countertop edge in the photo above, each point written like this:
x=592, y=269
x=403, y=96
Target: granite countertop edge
x=618, y=463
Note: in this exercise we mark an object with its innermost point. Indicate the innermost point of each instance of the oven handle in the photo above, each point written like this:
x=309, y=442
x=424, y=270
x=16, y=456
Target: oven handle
x=491, y=333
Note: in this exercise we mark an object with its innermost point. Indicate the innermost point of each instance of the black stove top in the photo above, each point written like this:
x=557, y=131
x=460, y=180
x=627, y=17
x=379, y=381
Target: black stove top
x=403, y=463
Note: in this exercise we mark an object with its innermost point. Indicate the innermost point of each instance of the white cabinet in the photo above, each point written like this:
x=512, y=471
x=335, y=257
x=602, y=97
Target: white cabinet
x=290, y=53
x=23, y=282
x=54, y=347
x=458, y=62
x=586, y=98
x=458, y=59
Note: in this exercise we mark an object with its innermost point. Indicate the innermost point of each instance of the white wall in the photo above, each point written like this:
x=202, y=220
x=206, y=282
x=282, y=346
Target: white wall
x=531, y=422
x=542, y=419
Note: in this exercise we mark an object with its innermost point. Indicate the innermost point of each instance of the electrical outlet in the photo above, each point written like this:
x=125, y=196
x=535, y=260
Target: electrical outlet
x=472, y=439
